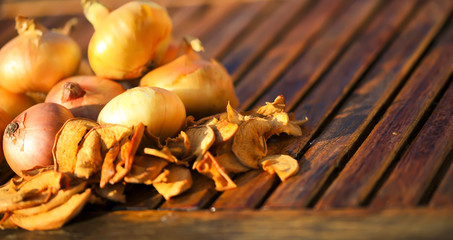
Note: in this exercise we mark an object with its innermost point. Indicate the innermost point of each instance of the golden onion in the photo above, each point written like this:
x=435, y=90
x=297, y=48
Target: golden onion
x=205, y=87
x=161, y=111
x=37, y=58
x=14, y=103
x=127, y=40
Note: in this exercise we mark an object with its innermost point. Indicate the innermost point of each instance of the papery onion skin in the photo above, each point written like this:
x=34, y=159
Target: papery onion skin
x=98, y=92
x=128, y=40
x=161, y=111
x=205, y=87
x=29, y=138
x=5, y=119
x=14, y=103
x=36, y=60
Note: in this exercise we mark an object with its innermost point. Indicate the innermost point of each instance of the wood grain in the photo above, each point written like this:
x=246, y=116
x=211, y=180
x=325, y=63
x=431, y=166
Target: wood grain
x=356, y=181
x=284, y=224
x=277, y=60
x=337, y=142
x=417, y=169
x=255, y=43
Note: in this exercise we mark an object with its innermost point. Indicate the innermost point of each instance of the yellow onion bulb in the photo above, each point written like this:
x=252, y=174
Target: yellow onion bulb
x=14, y=103
x=5, y=119
x=127, y=40
x=37, y=58
x=205, y=87
x=161, y=111
x=84, y=96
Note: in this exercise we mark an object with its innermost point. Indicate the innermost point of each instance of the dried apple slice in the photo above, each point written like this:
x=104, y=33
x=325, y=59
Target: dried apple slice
x=271, y=108
x=108, y=167
x=61, y=197
x=67, y=142
x=23, y=199
x=145, y=169
x=224, y=131
x=173, y=181
x=209, y=167
x=89, y=158
x=201, y=139
x=234, y=116
x=230, y=163
x=164, y=154
x=179, y=146
x=249, y=143
x=56, y=217
x=283, y=165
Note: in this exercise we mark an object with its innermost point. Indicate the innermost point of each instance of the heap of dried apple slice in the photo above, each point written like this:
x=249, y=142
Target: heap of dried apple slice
x=93, y=161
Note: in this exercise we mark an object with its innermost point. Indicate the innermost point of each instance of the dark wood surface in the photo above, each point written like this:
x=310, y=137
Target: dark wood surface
x=374, y=79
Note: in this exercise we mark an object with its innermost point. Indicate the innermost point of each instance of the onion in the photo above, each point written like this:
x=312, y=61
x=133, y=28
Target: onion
x=161, y=111
x=84, y=96
x=37, y=58
x=29, y=138
x=127, y=40
x=205, y=87
x=4, y=120
x=14, y=103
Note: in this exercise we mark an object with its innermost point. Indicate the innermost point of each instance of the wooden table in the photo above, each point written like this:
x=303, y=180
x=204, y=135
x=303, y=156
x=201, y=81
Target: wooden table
x=374, y=79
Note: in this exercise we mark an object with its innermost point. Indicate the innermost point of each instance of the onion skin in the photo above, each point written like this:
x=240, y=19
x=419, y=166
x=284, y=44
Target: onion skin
x=14, y=103
x=37, y=59
x=29, y=138
x=205, y=87
x=161, y=111
x=5, y=119
x=127, y=40
x=96, y=93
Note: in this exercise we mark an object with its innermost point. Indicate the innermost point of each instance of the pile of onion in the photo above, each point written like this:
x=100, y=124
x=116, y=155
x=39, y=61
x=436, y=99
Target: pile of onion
x=84, y=96
x=4, y=120
x=37, y=59
x=161, y=111
x=127, y=40
x=205, y=87
x=29, y=138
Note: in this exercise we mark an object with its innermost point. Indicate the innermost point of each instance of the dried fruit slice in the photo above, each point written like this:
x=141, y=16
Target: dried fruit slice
x=61, y=197
x=234, y=116
x=173, y=181
x=249, y=143
x=54, y=218
x=230, y=163
x=283, y=165
x=164, y=154
x=108, y=167
x=271, y=108
x=89, y=158
x=201, y=139
x=179, y=146
x=224, y=131
x=67, y=142
x=209, y=167
x=145, y=169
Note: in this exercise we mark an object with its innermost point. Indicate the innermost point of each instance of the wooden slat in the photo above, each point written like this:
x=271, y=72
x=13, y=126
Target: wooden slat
x=337, y=141
x=288, y=224
x=354, y=63
x=363, y=170
x=415, y=172
x=204, y=20
x=238, y=59
x=230, y=28
x=443, y=196
x=317, y=57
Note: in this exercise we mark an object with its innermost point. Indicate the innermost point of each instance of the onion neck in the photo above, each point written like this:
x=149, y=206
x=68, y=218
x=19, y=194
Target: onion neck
x=72, y=91
x=94, y=11
x=24, y=24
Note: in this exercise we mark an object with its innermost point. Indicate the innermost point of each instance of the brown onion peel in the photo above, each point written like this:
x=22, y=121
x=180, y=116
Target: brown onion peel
x=84, y=96
x=37, y=58
x=29, y=138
